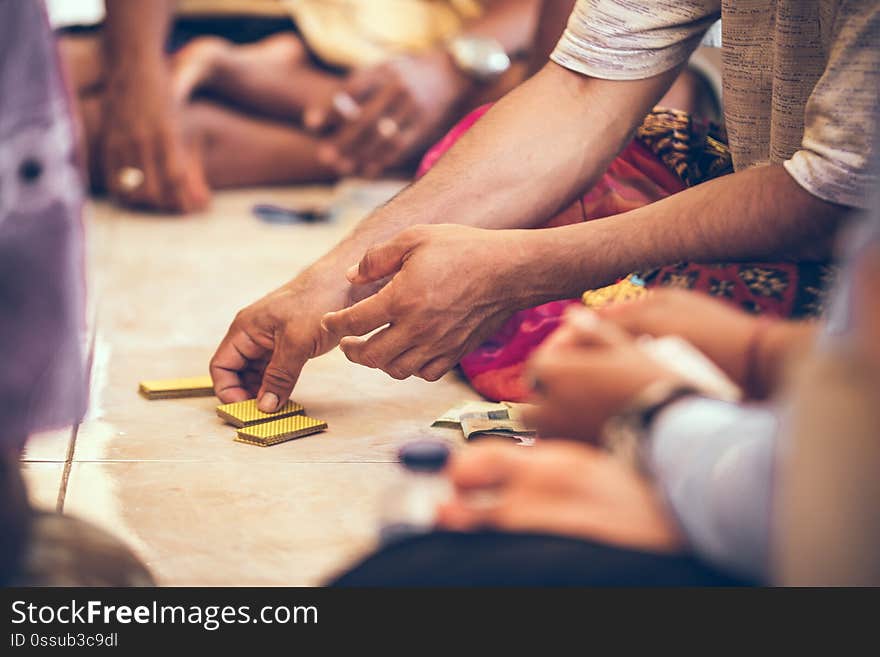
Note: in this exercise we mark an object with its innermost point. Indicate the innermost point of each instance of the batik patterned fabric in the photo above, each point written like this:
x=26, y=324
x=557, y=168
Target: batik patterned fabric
x=697, y=152
x=671, y=152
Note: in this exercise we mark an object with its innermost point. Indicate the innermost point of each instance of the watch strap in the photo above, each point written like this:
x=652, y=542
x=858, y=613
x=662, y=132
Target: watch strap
x=623, y=433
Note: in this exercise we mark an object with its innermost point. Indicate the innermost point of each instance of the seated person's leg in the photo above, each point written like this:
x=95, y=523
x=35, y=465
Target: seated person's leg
x=273, y=77
x=234, y=149
x=494, y=559
x=238, y=150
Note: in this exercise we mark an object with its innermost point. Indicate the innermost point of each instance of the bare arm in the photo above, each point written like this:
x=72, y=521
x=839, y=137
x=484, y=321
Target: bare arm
x=140, y=128
x=525, y=159
x=477, y=278
x=534, y=141
x=755, y=214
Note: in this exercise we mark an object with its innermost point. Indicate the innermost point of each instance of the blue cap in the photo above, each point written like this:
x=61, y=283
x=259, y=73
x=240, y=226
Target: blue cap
x=424, y=455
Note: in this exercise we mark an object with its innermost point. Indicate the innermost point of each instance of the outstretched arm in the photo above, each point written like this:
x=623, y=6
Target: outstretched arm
x=529, y=156
x=547, y=140
x=451, y=287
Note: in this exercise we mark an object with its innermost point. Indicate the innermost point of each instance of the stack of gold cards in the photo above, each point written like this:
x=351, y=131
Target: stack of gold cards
x=193, y=386
x=246, y=413
x=279, y=431
x=267, y=429
x=254, y=426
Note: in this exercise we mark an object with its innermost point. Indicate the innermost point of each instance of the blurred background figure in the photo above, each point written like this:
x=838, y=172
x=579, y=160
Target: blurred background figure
x=43, y=381
x=181, y=97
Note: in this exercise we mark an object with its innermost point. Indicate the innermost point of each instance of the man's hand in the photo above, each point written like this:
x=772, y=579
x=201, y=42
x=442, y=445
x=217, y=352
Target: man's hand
x=556, y=488
x=584, y=374
x=269, y=342
x=451, y=287
x=383, y=115
x=142, y=130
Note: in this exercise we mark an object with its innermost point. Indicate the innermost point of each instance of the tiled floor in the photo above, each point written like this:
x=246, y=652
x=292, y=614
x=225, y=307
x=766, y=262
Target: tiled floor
x=165, y=475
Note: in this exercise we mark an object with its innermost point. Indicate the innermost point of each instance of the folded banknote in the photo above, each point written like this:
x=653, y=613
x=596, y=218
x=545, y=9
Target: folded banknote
x=480, y=419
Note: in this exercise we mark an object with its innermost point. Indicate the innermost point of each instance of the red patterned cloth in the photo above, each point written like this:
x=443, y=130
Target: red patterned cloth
x=670, y=149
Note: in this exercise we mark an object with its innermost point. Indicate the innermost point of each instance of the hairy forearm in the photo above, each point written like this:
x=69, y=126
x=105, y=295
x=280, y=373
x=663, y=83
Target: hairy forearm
x=758, y=214
x=529, y=156
x=533, y=152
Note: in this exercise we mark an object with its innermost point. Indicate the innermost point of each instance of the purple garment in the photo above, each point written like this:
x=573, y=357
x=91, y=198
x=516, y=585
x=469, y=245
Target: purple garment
x=42, y=288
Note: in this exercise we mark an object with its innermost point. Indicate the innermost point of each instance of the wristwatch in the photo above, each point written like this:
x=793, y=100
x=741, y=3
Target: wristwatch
x=624, y=433
x=480, y=58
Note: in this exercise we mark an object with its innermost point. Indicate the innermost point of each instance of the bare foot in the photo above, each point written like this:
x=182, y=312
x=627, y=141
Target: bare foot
x=283, y=50
x=272, y=77
x=286, y=58
x=196, y=66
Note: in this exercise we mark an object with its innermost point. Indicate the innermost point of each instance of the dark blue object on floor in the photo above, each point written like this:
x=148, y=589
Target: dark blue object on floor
x=275, y=214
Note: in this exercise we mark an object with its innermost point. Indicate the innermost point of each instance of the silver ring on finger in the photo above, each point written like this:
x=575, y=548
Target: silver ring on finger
x=346, y=106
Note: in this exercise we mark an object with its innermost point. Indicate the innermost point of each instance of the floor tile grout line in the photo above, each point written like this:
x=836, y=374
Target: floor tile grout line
x=71, y=447
x=252, y=464
x=65, y=473
x=44, y=461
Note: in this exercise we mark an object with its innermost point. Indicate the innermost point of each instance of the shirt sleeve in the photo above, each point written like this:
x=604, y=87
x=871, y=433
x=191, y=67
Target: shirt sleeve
x=714, y=463
x=625, y=40
x=840, y=120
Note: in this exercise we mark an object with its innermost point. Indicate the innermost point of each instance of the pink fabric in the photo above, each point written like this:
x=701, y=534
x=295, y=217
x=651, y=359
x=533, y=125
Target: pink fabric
x=635, y=178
